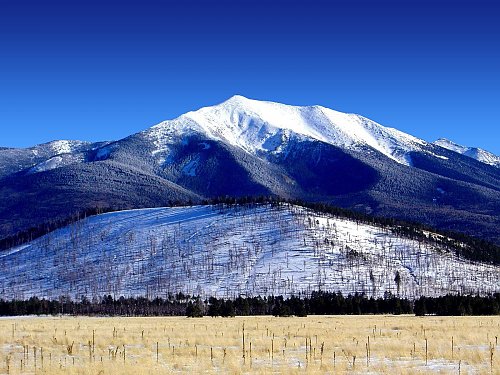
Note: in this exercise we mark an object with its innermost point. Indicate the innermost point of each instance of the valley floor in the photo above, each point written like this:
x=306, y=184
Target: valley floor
x=262, y=345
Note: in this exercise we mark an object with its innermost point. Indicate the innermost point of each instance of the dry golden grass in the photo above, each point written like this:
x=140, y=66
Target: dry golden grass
x=316, y=344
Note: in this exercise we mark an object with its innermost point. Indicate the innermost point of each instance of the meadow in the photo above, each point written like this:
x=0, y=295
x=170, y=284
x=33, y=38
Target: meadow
x=262, y=345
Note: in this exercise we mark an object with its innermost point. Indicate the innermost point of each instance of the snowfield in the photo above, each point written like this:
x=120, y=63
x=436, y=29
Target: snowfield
x=226, y=252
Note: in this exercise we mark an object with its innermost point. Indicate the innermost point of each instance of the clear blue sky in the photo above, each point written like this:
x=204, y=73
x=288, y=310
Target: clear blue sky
x=101, y=70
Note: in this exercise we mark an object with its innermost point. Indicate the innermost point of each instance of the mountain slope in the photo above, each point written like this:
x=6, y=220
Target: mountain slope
x=247, y=147
x=226, y=252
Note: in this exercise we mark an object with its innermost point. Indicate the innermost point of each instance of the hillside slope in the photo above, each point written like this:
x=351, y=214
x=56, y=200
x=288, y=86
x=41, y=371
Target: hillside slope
x=226, y=252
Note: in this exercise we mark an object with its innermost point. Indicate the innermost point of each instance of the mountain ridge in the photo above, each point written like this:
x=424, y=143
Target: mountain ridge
x=479, y=154
x=240, y=106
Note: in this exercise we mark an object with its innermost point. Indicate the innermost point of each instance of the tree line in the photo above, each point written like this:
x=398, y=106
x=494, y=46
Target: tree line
x=317, y=303
x=458, y=305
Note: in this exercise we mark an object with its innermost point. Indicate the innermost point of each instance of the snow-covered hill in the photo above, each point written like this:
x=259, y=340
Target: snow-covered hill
x=472, y=152
x=262, y=127
x=225, y=252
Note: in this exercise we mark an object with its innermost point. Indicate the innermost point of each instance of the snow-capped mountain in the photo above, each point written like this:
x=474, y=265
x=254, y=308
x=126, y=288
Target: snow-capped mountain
x=472, y=152
x=228, y=252
x=246, y=147
x=265, y=127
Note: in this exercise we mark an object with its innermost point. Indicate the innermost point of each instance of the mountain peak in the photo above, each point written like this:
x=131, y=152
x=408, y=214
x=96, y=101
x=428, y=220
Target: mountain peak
x=237, y=98
x=263, y=126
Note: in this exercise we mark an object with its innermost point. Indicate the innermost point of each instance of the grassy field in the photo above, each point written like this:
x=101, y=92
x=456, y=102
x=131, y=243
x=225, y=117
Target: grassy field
x=262, y=345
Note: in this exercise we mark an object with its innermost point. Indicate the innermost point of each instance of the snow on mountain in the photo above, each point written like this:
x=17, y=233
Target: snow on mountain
x=57, y=161
x=65, y=146
x=43, y=157
x=262, y=127
x=472, y=152
x=225, y=252
x=443, y=142
x=61, y=153
x=52, y=163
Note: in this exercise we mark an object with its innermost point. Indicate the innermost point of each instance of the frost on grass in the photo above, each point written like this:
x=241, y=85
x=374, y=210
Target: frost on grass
x=309, y=345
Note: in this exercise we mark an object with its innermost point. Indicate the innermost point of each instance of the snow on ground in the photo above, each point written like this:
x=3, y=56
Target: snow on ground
x=211, y=251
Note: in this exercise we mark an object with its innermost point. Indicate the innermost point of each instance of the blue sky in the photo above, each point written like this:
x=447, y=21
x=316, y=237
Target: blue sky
x=101, y=70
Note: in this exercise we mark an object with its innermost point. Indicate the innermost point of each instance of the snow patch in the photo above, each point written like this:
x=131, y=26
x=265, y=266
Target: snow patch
x=437, y=156
x=52, y=163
